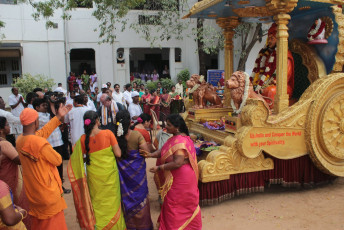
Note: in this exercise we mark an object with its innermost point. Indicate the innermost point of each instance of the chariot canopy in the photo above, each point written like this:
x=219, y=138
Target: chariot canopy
x=288, y=15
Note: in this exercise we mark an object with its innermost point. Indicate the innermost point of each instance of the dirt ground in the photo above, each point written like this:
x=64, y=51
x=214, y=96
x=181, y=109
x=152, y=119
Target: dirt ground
x=321, y=207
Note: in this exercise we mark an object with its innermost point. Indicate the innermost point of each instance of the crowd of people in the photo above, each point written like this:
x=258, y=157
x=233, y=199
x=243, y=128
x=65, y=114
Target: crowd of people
x=105, y=136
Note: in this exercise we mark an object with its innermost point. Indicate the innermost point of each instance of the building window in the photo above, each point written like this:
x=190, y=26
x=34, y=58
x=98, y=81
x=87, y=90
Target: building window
x=13, y=2
x=84, y=3
x=149, y=20
x=177, y=54
x=10, y=69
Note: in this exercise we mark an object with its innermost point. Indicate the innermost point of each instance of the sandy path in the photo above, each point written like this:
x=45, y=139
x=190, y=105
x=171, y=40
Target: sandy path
x=277, y=208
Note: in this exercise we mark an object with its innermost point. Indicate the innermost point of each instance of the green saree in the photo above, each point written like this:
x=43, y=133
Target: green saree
x=96, y=193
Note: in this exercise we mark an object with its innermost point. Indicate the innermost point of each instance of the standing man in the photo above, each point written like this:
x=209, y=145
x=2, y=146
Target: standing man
x=59, y=89
x=43, y=185
x=17, y=103
x=103, y=90
x=118, y=96
x=93, y=82
x=107, y=113
x=75, y=118
x=127, y=94
x=12, y=120
x=179, y=88
x=134, y=108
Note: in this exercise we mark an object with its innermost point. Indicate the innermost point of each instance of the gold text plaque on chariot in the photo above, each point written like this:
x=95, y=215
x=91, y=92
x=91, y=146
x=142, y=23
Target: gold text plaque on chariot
x=280, y=143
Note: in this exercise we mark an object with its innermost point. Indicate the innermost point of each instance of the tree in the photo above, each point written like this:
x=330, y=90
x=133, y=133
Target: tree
x=243, y=32
x=158, y=21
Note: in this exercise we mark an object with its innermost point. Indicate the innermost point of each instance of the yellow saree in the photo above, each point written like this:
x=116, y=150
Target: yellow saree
x=97, y=196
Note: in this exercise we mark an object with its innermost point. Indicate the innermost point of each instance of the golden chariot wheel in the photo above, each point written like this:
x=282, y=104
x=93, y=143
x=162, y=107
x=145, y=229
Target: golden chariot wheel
x=325, y=126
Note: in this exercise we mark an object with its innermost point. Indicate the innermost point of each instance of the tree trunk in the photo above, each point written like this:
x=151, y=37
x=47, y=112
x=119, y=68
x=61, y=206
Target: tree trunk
x=201, y=54
x=256, y=36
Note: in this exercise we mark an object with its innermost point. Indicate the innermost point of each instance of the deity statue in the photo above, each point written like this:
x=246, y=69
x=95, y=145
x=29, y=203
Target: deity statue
x=264, y=73
x=316, y=34
x=241, y=89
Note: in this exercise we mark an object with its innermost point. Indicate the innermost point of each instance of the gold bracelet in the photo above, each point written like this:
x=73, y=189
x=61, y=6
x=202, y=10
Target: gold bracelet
x=22, y=217
x=25, y=214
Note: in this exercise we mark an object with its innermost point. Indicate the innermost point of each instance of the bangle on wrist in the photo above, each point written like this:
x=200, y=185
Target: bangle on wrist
x=22, y=217
x=25, y=213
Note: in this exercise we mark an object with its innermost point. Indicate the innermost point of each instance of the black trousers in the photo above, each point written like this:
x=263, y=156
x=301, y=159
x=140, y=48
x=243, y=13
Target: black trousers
x=59, y=149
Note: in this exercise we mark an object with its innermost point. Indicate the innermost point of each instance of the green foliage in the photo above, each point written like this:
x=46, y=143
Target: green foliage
x=210, y=38
x=167, y=83
x=2, y=35
x=109, y=13
x=166, y=23
x=26, y=83
x=138, y=81
x=152, y=85
x=183, y=75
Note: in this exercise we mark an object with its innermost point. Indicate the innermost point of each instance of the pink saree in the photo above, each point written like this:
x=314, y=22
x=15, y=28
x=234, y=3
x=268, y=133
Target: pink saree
x=180, y=195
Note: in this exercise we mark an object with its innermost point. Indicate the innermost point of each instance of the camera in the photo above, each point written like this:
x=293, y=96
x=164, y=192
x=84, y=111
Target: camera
x=55, y=98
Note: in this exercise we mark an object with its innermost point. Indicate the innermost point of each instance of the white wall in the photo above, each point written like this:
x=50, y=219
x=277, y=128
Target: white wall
x=44, y=50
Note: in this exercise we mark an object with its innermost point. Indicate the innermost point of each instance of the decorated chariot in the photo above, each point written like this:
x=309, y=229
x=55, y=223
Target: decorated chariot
x=296, y=139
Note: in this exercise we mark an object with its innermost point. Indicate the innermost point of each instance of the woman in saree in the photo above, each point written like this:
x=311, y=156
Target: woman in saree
x=11, y=216
x=132, y=172
x=143, y=123
x=165, y=104
x=175, y=100
x=180, y=195
x=145, y=99
x=154, y=103
x=9, y=169
x=96, y=191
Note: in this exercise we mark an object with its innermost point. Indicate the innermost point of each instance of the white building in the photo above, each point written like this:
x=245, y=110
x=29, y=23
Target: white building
x=28, y=47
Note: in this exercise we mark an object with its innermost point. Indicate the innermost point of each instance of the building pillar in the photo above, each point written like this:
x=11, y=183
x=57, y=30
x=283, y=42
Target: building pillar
x=172, y=64
x=127, y=65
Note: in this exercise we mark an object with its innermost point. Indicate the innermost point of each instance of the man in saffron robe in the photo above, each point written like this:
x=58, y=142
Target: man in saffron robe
x=42, y=182
x=264, y=73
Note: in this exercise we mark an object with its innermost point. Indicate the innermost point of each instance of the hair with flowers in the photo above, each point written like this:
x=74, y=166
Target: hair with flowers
x=90, y=118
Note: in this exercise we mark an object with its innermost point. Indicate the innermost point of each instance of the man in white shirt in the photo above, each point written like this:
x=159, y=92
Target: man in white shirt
x=134, y=108
x=127, y=94
x=70, y=100
x=179, y=88
x=59, y=89
x=117, y=96
x=12, y=120
x=103, y=90
x=89, y=103
x=75, y=118
x=17, y=103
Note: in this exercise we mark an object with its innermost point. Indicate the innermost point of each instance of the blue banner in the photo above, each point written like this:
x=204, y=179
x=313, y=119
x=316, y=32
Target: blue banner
x=214, y=75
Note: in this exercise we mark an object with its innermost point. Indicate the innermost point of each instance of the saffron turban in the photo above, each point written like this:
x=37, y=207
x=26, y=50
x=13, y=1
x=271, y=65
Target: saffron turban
x=28, y=116
x=272, y=30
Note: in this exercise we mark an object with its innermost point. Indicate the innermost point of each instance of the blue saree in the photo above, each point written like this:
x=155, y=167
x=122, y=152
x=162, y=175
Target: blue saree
x=134, y=191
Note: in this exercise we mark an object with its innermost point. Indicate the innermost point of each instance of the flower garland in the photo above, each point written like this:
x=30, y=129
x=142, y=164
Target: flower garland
x=243, y=102
x=315, y=31
x=264, y=69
